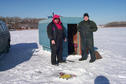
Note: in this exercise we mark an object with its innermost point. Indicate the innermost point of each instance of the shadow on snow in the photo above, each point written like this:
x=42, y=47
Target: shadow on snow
x=18, y=54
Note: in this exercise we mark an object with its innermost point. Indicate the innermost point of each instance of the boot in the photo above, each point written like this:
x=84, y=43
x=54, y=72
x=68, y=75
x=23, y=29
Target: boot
x=81, y=59
x=92, y=60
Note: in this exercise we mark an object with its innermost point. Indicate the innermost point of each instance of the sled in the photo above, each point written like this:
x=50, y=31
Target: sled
x=66, y=76
x=97, y=54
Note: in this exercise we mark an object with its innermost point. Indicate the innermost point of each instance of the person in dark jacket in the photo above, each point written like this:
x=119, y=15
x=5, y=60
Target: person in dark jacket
x=56, y=34
x=86, y=29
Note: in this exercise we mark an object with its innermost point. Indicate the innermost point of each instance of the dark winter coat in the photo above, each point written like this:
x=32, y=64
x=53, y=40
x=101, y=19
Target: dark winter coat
x=86, y=29
x=54, y=33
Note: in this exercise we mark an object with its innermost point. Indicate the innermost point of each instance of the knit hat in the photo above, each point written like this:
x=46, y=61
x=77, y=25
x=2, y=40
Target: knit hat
x=86, y=14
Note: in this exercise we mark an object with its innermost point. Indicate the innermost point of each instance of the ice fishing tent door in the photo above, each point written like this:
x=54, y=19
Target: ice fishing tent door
x=72, y=39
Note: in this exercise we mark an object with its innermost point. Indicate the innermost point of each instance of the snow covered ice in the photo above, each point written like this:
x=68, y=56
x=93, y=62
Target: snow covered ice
x=28, y=63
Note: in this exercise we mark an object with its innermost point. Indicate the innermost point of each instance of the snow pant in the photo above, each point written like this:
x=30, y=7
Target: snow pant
x=87, y=44
x=56, y=51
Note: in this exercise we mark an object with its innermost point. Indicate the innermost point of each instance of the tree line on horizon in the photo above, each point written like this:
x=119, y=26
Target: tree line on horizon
x=17, y=23
x=116, y=24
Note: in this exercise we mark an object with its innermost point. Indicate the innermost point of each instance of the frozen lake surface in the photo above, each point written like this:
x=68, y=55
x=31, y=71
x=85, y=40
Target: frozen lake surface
x=28, y=63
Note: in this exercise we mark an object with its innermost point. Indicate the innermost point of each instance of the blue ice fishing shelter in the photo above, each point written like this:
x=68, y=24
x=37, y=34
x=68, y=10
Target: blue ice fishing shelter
x=70, y=25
